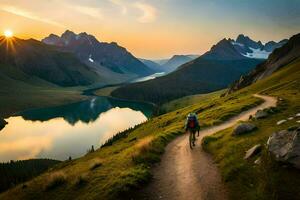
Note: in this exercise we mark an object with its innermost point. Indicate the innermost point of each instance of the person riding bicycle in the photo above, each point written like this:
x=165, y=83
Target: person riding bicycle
x=192, y=125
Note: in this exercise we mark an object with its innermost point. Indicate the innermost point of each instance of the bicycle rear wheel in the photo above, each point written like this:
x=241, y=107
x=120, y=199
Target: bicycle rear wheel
x=191, y=139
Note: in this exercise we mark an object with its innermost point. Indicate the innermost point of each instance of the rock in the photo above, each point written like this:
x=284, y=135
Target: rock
x=285, y=146
x=257, y=161
x=281, y=122
x=253, y=151
x=260, y=114
x=243, y=128
x=272, y=110
x=297, y=115
x=298, y=121
x=2, y=123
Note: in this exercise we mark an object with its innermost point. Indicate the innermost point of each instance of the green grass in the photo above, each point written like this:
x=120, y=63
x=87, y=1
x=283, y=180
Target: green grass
x=106, y=91
x=269, y=180
x=126, y=163
x=190, y=100
x=19, y=91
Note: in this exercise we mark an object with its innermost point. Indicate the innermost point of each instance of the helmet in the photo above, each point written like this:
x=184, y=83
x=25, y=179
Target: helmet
x=191, y=115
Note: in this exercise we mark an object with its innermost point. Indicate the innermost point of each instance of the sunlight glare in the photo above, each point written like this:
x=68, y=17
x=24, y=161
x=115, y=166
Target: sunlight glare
x=8, y=33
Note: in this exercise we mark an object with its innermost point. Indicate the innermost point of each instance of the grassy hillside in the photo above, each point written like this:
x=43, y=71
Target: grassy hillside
x=113, y=170
x=123, y=165
x=190, y=100
x=198, y=76
x=45, y=62
x=16, y=172
x=20, y=91
x=269, y=180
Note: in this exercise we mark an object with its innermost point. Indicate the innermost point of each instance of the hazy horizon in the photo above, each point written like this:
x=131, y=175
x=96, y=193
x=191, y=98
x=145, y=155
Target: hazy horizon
x=154, y=29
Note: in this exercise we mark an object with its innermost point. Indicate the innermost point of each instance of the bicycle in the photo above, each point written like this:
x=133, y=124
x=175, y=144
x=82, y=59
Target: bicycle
x=192, y=138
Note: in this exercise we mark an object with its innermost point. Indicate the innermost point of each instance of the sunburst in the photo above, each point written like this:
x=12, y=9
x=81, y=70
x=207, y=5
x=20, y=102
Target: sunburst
x=8, y=33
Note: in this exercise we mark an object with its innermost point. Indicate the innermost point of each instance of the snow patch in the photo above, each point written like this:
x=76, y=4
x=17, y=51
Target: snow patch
x=258, y=53
x=239, y=44
x=91, y=59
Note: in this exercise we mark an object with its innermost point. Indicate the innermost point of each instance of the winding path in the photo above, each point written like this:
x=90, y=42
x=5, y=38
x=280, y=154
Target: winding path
x=185, y=174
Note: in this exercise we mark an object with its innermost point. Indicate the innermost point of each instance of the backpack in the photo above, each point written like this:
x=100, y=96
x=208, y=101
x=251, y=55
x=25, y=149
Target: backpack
x=192, y=122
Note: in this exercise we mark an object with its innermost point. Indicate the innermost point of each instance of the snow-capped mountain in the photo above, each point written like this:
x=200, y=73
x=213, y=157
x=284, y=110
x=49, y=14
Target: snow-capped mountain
x=99, y=54
x=252, y=49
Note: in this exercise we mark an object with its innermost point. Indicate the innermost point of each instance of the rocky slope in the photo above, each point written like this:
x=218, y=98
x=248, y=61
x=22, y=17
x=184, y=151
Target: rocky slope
x=280, y=57
x=252, y=49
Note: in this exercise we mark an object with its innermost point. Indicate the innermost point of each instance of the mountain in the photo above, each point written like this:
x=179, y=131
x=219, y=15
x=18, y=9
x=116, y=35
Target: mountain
x=252, y=49
x=282, y=56
x=223, y=50
x=99, y=54
x=28, y=59
x=212, y=71
x=152, y=65
x=161, y=61
x=176, y=61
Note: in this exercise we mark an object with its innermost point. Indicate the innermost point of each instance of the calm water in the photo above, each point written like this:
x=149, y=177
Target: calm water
x=68, y=130
x=150, y=77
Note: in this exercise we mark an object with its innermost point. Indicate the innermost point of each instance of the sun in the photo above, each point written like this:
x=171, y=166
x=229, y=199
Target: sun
x=8, y=33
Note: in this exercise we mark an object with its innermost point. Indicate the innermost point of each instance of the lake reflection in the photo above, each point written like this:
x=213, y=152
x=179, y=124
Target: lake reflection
x=68, y=130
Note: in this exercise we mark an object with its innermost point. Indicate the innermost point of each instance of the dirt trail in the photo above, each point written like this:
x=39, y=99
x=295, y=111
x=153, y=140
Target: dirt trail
x=185, y=174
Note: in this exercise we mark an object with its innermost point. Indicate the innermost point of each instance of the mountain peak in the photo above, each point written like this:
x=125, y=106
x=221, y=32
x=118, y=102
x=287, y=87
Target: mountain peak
x=68, y=32
x=252, y=49
x=223, y=50
x=99, y=54
x=241, y=37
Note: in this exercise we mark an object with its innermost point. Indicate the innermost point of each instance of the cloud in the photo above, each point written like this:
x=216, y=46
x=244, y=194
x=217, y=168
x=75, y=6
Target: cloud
x=121, y=5
x=149, y=12
x=29, y=15
x=89, y=11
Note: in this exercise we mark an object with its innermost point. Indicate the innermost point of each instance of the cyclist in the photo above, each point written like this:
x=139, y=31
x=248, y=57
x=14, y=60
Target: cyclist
x=192, y=125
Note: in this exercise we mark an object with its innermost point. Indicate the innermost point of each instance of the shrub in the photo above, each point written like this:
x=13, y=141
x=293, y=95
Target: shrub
x=16, y=172
x=119, y=136
x=55, y=179
x=91, y=150
x=141, y=148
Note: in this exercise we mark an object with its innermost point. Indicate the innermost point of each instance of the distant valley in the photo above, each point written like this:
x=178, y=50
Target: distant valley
x=216, y=69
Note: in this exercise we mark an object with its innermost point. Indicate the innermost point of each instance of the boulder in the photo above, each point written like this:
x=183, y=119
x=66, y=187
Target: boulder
x=297, y=115
x=253, y=151
x=257, y=161
x=290, y=118
x=260, y=114
x=298, y=121
x=281, y=122
x=285, y=146
x=243, y=128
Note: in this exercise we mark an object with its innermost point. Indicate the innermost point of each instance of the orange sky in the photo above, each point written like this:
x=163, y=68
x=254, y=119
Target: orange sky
x=148, y=29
